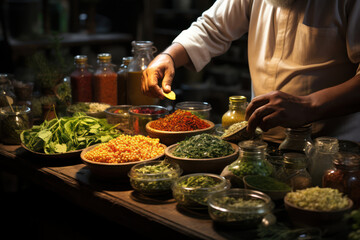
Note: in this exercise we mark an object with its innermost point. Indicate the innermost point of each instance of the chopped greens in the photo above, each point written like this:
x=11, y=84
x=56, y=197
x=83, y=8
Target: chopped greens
x=203, y=146
x=61, y=135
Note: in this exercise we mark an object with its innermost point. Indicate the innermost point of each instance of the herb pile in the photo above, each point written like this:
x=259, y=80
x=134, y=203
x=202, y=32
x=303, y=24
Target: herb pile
x=61, y=135
x=203, y=146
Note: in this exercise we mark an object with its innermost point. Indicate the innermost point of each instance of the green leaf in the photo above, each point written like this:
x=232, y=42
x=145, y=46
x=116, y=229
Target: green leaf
x=60, y=148
x=45, y=135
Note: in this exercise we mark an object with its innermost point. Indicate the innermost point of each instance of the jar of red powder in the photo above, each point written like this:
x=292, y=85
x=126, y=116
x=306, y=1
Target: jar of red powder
x=81, y=80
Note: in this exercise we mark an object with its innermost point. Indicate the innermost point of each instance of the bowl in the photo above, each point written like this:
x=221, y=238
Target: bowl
x=192, y=190
x=93, y=109
x=274, y=188
x=154, y=177
x=302, y=217
x=207, y=165
x=171, y=137
x=110, y=170
x=239, y=208
x=142, y=114
x=120, y=116
x=200, y=109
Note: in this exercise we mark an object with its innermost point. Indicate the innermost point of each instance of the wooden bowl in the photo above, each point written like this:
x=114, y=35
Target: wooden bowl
x=111, y=170
x=204, y=165
x=171, y=137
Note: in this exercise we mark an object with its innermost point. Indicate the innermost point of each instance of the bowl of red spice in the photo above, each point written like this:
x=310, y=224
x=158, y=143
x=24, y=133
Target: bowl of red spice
x=178, y=126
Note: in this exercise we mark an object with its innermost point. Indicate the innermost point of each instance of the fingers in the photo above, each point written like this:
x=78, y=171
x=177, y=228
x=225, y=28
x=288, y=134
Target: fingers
x=258, y=119
x=255, y=104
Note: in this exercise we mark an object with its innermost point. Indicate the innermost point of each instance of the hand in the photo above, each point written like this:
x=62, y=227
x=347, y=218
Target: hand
x=160, y=69
x=277, y=109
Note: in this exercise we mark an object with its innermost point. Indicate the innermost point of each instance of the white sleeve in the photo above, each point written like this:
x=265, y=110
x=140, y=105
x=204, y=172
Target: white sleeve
x=353, y=33
x=212, y=33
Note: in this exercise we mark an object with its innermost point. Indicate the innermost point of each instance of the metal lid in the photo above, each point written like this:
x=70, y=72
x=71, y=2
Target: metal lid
x=104, y=56
x=237, y=99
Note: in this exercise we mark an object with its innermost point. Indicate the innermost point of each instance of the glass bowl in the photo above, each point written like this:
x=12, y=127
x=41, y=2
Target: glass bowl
x=200, y=109
x=192, y=190
x=155, y=177
x=120, y=116
x=239, y=208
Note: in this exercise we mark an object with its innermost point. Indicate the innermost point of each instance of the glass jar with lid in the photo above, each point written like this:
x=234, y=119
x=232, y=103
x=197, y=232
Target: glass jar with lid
x=6, y=89
x=236, y=112
x=294, y=172
x=81, y=80
x=296, y=139
x=345, y=176
x=122, y=80
x=200, y=109
x=142, y=56
x=252, y=161
x=105, y=80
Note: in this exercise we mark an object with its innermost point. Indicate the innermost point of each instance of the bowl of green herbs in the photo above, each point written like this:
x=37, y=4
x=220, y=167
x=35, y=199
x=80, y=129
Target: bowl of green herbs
x=202, y=153
x=155, y=177
x=93, y=109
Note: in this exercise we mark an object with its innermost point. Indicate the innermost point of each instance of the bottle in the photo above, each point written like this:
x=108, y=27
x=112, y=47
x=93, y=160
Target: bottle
x=236, y=112
x=296, y=139
x=143, y=54
x=105, y=80
x=345, y=176
x=81, y=80
x=294, y=172
x=6, y=89
x=122, y=79
x=321, y=155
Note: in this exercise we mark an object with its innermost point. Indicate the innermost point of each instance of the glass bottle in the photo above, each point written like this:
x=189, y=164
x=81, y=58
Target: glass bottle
x=296, y=139
x=6, y=89
x=236, y=112
x=81, y=80
x=105, y=80
x=321, y=155
x=143, y=54
x=345, y=176
x=294, y=172
x=122, y=79
x=252, y=161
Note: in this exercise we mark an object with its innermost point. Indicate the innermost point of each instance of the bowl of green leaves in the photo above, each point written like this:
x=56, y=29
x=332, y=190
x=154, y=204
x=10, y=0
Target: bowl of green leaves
x=93, y=109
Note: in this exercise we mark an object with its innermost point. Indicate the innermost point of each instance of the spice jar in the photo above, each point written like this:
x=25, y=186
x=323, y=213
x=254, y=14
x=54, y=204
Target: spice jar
x=293, y=171
x=236, y=112
x=321, y=155
x=143, y=54
x=105, y=80
x=6, y=89
x=296, y=139
x=122, y=79
x=345, y=176
x=13, y=120
x=252, y=161
x=81, y=80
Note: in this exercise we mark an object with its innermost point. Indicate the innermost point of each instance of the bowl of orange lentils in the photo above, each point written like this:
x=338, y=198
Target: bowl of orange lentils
x=115, y=158
x=178, y=126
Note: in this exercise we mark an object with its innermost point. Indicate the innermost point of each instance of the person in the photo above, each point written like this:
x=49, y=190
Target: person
x=303, y=59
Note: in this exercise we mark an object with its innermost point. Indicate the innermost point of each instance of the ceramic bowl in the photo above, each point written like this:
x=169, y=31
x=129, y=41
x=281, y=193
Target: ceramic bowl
x=171, y=137
x=206, y=165
x=111, y=170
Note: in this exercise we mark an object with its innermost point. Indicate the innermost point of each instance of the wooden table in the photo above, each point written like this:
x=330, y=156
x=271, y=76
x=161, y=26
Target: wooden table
x=114, y=199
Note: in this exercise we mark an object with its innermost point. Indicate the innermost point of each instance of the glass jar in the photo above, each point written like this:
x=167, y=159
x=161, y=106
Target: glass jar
x=321, y=155
x=81, y=80
x=345, y=176
x=294, y=172
x=122, y=79
x=252, y=161
x=13, y=120
x=143, y=54
x=6, y=89
x=296, y=139
x=236, y=112
x=105, y=80
x=200, y=109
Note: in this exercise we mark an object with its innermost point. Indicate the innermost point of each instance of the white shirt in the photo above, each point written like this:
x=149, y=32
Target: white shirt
x=313, y=45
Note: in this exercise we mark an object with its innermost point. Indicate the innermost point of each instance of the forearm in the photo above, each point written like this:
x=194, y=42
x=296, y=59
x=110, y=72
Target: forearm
x=335, y=101
x=179, y=54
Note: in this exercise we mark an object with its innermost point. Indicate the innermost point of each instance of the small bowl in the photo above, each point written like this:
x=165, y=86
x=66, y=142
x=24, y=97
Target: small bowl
x=120, y=116
x=196, y=196
x=200, y=109
x=239, y=208
x=274, y=193
x=145, y=180
x=110, y=170
x=171, y=137
x=141, y=115
x=206, y=165
x=98, y=114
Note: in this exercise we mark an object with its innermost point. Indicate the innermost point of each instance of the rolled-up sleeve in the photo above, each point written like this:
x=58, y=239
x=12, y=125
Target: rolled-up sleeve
x=212, y=33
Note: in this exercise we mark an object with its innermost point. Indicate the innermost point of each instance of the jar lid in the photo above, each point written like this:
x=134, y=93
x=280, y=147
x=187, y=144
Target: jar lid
x=347, y=159
x=327, y=144
x=237, y=99
x=80, y=59
x=305, y=128
x=295, y=160
x=252, y=145
x=104, y=56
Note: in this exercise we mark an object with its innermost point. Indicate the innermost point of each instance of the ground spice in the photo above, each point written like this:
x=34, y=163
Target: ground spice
x=179, y=121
